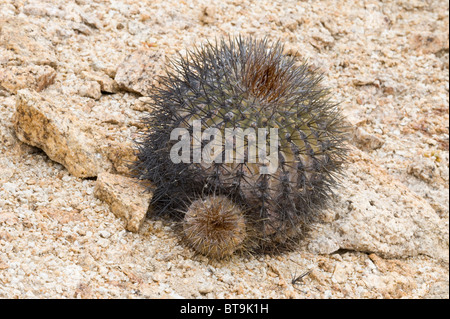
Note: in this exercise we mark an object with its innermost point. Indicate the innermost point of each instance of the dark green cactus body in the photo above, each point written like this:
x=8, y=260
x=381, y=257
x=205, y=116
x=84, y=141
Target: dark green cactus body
x=244, y=83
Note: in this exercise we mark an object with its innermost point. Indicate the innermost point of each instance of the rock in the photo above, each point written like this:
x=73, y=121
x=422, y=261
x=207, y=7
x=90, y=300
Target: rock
x=109, y=69
x=106, y=83
x=390, y=285
x=207, y=15
x=429, y=42
x=379, y=262
x=290, y=22
x=35, y=77
x=121, y=155
x=43, y=10
x=391, y=266
x=373, y=281
x=365, y=80
x=58, y=133
x=77, y=140
x=376, y=213
x=438, y=290
x=367, y=141
x=342, y=270
x=90, y=89
x=137, y=72
x=318, y=276
x=206, y=288
x=28, y=47
x=82, y=28
x=424, y=169
x=359, y=136
x=126, y=198
x=323, y=245
x=90, y=20
x=321, y=38
x=7, y=170
x=104, y=234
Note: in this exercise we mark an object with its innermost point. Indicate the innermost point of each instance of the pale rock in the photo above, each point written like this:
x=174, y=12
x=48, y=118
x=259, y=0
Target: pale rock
x=28, y=47
x=392, y=285
x=106, y=83
x=206, y=288
x=138, y=71
x=341, y=272
x=323, y=245
x=367, y=141
x=376, y=213
x=321, y=37
x=290, y=22
x=43, y=10
x=126, y=197
x=208, y=15
x=373, y=281
x=103, y=242
x=104, y=68
x=318, y=276
x=35, y=77
x=365, y=80
x=77, y=142
x=429, y=42
x=120, y=154
x=104, y=233
x=82, y=28
x=58, y=133
x=90, y=20
x=423, y=168
x=437, y=290
x=90, y=89
x=7, y=170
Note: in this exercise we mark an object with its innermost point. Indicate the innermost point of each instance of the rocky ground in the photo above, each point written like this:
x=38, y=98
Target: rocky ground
x=74, y=80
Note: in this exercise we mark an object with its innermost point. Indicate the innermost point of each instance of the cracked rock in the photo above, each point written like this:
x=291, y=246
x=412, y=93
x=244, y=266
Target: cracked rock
x=379, y=214
x=126, y=198
x=59, y=134
x=36, y=77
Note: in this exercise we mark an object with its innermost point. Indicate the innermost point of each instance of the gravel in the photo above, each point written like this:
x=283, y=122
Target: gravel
x=387, y=62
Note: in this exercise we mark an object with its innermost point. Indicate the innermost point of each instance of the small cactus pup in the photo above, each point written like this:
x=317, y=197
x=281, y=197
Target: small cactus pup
x=243, y=145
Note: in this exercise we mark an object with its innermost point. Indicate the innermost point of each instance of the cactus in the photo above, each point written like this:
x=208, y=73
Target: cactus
x=231, y=85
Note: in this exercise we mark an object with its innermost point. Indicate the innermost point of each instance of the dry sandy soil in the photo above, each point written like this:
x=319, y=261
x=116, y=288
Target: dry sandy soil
x=68, y=86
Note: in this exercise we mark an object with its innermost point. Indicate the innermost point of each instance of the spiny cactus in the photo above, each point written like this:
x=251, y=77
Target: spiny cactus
x=248, y=87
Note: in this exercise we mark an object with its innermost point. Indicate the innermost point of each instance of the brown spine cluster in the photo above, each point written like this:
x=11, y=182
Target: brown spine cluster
x=214, y=226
